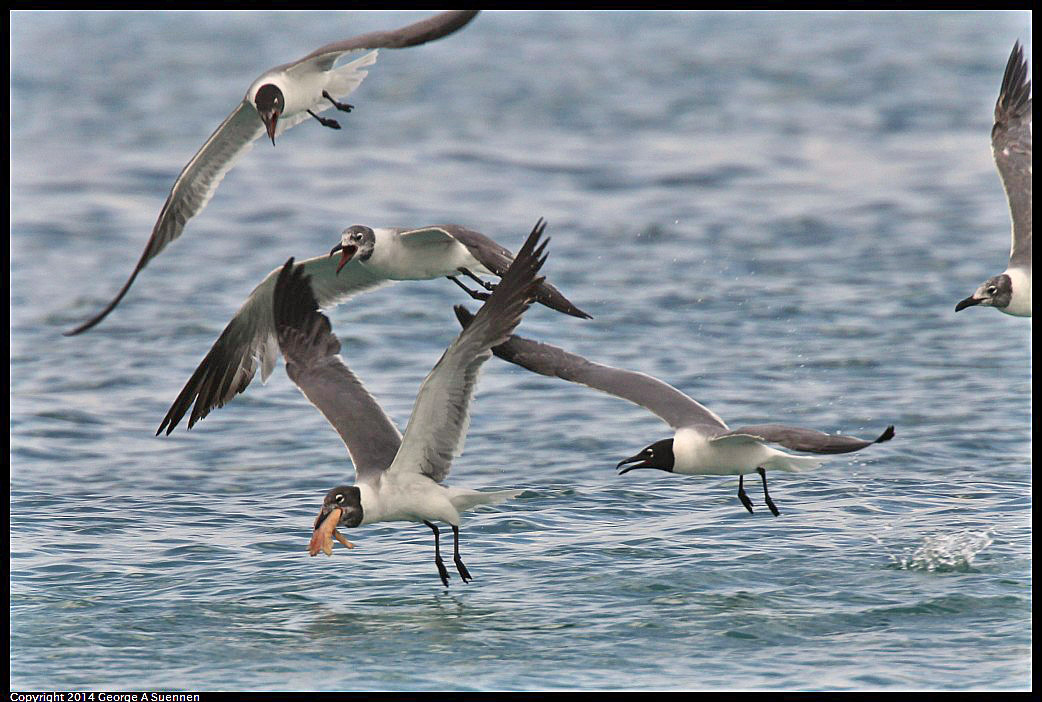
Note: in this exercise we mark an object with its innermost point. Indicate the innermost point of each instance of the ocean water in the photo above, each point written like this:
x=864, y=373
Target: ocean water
x=776, y=213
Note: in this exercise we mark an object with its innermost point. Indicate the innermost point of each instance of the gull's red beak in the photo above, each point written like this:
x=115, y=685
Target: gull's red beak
x=271, y=121
x=346, y=254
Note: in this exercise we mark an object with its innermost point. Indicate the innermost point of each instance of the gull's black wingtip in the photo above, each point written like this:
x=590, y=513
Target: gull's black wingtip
x=93, y=321
x=886, y=435
x=463, y=315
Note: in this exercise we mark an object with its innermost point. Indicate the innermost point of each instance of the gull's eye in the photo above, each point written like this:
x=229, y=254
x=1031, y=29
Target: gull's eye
x=340, y=498
x=992, y=290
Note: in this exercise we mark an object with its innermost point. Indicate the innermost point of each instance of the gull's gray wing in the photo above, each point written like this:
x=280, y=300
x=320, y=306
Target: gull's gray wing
x=493, y=257
x=417, y=33
x=1011, y=147
x=674, y=407
x=440, y=417
x=314, y=364
x=192, y=190
x=806, y=440
x=249, y=338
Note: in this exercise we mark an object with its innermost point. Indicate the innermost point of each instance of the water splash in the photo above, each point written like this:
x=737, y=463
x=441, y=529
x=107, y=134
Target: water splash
x=946, y=553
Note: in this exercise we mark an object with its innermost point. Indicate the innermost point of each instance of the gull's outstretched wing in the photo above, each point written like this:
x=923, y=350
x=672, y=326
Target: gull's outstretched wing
x=414, y=34
x=806, y=440
x=192, y=190
x=1011, y=147
x=249, y=338
x=440, y=417
x=662, y=399
x=313, y=362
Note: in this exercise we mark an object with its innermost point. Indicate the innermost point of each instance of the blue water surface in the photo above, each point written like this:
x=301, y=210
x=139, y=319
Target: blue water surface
x=776, y=213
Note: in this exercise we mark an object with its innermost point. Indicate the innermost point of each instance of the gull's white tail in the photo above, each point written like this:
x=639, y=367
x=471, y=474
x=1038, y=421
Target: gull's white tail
x=463, y=499
x=780, y=460
x=349, y=76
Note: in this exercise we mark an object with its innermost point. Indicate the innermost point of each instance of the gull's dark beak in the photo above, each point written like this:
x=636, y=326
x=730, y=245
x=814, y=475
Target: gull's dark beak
x=639, y=458
x=968, y=302
x=346, y=254
x=271, y=120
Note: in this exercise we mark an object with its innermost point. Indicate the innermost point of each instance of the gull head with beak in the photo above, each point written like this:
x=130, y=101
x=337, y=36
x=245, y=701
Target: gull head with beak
x=995, y=292
x=658, y=456
x=346, y=498
x=270, y=103
x=342, y=507
x=355, y=242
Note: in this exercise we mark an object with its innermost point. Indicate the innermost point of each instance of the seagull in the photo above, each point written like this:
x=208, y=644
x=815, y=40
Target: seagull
x=702, y=444
x=1010, y=291
x=399, y=477
x=249, y=338
x=281, y=98
x=431, y=252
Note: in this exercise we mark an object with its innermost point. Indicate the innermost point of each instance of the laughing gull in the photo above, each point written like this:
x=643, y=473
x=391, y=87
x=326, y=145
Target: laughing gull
x=1010, y=291
x=702, y=444
x=398, y=477
x=410, y=254
x=280, y=99
x=431, y=252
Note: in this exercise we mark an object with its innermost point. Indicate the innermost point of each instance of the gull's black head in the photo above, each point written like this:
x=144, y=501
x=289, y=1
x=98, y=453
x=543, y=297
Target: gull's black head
x=355, y=242
x=995, y=292
x=270, y=104
x=659, y=456
x=348, y=499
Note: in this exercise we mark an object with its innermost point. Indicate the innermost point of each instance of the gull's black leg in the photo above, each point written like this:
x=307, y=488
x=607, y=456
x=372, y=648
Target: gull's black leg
x=488, y=286
x=766, y=497
x=743, y=497
x=473, y=293
x=463, y=572
x=325, y=122
x=437, y=554
x=342, y=106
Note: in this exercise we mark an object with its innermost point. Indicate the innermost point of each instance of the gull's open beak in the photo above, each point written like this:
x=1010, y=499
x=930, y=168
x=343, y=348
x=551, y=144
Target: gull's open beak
x=639, y=458
x=346, y=254
x=968, y=302
x=271, y=120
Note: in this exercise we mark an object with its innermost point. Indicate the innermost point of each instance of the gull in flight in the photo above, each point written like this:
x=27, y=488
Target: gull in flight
x=281, y=98
x=403, y=254
x=1010, y=291
x=399, y=477
x=702, y=443
x=432, y=252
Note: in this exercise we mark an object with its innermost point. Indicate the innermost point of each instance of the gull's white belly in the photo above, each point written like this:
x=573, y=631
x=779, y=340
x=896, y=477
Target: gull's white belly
x=406, y=498
x=694, y=455
x=395, y=261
